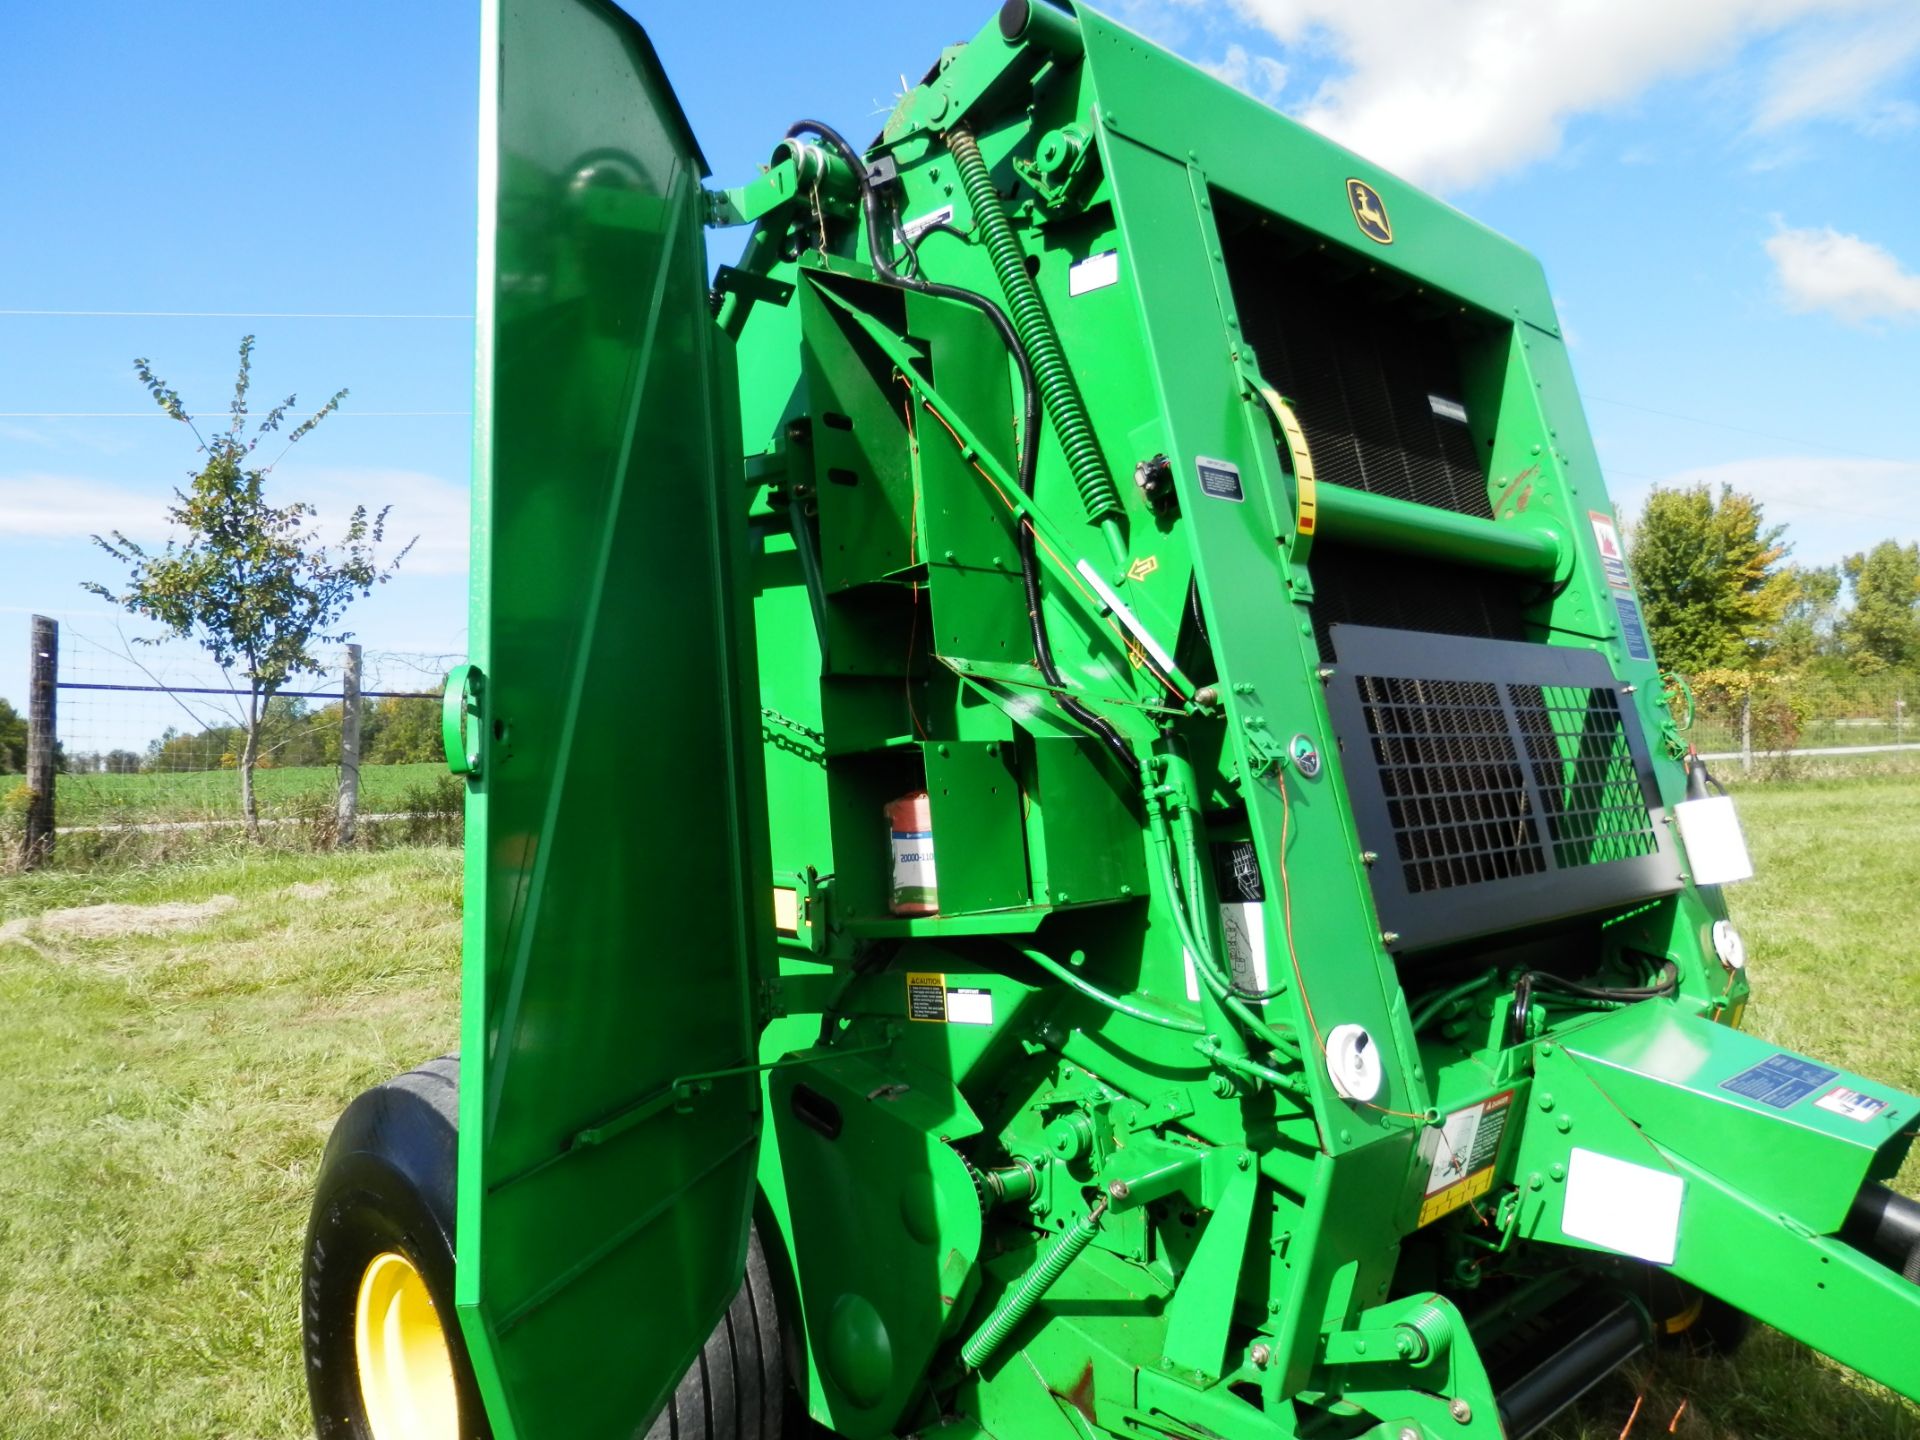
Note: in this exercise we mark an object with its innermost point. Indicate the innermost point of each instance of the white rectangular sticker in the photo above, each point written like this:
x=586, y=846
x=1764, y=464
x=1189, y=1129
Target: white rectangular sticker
x=920, y=224
x=1613, y=559
x=1631, y=1209
x=969, y=1005
x=1851, y=1103
x=1448, y=409
x=1096, y=272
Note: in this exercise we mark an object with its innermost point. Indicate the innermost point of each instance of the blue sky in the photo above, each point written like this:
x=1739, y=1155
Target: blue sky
x=1726, y=195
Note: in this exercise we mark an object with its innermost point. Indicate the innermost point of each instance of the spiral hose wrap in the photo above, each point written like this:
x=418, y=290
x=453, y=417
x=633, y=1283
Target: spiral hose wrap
x=1030, y=320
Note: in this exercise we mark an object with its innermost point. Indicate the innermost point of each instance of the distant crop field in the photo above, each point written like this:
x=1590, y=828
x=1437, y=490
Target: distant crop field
x=215, y=794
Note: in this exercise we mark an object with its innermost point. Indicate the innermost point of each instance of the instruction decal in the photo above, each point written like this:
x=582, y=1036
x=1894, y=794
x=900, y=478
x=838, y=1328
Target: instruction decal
x=1243, y=917
x=1096, y=272
x=920, y=224
x=1219, y=478
x=1462, y=1155
x=1631, y=630
x=1851, y=1103
x=931, y=999
x=1781, y=1081
x=1613, y=559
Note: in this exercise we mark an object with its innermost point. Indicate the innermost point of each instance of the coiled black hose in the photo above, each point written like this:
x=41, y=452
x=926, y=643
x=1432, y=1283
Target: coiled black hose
x=1029, y=430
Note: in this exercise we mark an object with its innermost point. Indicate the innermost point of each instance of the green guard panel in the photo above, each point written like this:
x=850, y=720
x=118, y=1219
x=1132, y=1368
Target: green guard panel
x=615, y=874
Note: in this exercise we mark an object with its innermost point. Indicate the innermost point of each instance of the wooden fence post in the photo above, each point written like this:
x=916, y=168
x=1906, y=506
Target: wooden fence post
x=41, y=736
x=349, y=803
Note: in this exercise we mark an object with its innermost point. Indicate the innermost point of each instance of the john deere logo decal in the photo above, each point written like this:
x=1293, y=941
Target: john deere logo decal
x=1369, y=211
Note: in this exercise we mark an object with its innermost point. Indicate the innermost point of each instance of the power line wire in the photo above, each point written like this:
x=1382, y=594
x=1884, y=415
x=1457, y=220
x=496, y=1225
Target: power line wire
x=1743, y=430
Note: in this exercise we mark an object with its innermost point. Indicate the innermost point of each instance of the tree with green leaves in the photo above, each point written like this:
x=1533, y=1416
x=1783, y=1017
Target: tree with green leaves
x=13, y=740
x=1706, y=570
x=1882, y=630
x=1809, y=628
x=249, y=581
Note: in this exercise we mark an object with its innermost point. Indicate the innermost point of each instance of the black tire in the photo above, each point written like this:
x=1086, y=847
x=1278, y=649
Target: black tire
x=388, y=1182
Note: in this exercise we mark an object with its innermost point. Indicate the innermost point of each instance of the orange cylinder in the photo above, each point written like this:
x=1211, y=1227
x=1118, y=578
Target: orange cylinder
x=910, y=824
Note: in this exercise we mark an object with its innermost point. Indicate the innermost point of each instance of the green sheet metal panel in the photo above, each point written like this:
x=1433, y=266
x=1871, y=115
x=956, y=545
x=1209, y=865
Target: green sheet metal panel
x=616, y=881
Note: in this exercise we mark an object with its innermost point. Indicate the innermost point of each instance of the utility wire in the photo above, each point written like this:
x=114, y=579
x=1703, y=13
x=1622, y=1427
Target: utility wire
x=1743, y=430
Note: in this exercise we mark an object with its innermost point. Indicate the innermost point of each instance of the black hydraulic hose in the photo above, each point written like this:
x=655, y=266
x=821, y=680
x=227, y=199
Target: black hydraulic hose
x=1029, y=430
x=1030, y=318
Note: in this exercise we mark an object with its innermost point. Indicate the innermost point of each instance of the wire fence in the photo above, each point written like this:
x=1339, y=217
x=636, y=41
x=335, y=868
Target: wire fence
x=147, y=740
x=1783, y=724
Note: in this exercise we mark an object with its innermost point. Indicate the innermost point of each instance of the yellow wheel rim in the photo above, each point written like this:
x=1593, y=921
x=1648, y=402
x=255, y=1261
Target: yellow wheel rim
x=400, y=1351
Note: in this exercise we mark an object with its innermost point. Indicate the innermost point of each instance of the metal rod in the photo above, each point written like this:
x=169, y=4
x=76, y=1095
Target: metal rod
x=236, y=694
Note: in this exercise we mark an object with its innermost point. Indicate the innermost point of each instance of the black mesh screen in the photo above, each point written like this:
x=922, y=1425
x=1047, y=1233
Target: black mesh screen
x=1364, y=370
x=1499, y=783
x=1455, y=786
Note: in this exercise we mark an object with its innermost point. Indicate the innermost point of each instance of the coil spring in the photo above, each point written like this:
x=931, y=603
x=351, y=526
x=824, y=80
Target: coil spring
x=1035, y=328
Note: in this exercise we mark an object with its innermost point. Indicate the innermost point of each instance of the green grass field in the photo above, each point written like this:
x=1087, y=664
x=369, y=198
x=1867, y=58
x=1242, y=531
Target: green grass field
x=215, y=794
x=169, y=1070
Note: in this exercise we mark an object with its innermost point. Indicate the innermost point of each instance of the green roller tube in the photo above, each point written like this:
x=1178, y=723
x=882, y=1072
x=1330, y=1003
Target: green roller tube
x=1355, y=517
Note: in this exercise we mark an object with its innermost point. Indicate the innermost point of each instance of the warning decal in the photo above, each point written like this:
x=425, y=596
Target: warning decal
x=931, y=999
x=1462, y=1155
x=927, y=998
x=1243, y=916
x=1851, y=1103
x=1613, y=559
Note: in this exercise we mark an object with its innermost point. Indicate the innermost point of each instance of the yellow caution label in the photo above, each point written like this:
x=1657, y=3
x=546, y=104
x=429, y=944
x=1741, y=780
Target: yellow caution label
x=927, y=998
x=1462, y=1154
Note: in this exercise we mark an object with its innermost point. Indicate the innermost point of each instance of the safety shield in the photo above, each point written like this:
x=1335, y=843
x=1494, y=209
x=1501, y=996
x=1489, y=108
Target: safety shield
x=615, y=875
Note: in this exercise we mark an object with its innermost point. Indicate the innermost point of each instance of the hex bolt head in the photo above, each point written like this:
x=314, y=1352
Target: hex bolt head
x=1460, y=1410
x=1261, y=1356
x=1118, y=1190
x=1407, y=1432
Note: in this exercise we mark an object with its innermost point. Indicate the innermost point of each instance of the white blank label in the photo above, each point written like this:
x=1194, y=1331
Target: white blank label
x=1633, y=1209
x=1094, y=273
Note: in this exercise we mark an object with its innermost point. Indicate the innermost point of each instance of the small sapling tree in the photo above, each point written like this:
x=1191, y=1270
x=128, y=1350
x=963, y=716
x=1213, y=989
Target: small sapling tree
x=250, y=582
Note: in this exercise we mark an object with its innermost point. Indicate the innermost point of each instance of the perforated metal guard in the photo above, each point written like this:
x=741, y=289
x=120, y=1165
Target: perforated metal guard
x=1501, y=784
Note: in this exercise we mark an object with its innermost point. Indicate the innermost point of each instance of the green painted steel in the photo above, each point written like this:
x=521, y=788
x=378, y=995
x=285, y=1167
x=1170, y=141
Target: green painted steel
x=612, y=941
x=1142, y=1124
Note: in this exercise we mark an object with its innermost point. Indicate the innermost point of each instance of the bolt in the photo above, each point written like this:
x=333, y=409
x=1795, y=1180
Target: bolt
x=1389, y=937
x=1534, y=1182
x=1404, y=1345
x=1260, y=1355
x=1461, y=1411
x=1545, y=1102
x=1243, y=1161
x=1368, y=857
x=1118, y=1190
x=1325, y=672
x=1565, y=1123
x=1407, y=1432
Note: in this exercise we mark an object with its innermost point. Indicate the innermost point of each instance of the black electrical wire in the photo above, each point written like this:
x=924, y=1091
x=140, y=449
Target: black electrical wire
x=1029, y=427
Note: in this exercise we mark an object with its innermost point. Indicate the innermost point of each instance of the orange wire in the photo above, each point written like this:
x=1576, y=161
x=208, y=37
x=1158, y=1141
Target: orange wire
x=1673, y=1425
x=1627, y=1429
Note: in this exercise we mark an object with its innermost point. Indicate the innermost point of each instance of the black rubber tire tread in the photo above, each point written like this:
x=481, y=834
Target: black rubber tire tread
x=736, y=1387
x=387, y=1181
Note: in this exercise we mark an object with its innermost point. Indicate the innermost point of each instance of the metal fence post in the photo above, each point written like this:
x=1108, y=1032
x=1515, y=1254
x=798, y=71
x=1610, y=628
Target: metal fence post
x=41, y=740
x=1746, y=732
x=349, y=805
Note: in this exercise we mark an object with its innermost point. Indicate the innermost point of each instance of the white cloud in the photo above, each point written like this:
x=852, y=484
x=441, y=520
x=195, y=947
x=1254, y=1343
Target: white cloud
x=1832, y=506
x=1850, y=277
x=40, y=506
x=1261, y=76
x=1829, y=76
x=1451, y=93
x=424, y=505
